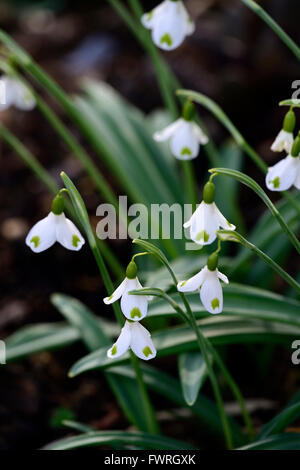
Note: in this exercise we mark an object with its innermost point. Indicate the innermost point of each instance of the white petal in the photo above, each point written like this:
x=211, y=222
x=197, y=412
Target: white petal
x=205, y=225
x=139, y=286
x=224, y=222
x=169, y=29
x=193, y=283
x=141, y=342
x=184, y=144
x=148, y=19
x=42, y=235
x=168, y=131
x=222, y=277
x=211, y=293
x=23, y=97
x=202, y=138
x=122, y=344
x=284, y=141
x=7, y=92
x=67, y=234
x=134, y=307
x=297, y=180
x=281, y=176
x=117, y=293
x=190, y=25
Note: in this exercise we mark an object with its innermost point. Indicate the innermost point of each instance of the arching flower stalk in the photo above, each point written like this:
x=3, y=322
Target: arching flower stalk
x=15, y=93
x=207, y=219
x=136, y=337
x=286, y=173
x=170, y=23
x=55, y=228
x=134, y=307
x=184, y=135
x=207, y=281
x=285, y=138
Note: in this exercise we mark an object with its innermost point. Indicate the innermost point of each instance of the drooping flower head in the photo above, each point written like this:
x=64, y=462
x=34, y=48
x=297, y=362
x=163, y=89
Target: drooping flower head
x=207, y=219
x=15, y=93
x=134, y=307
x=55, y=228
x=170, y=24
x=137, y=338
x=185, y=135
x=286, y=173
x=285, y=138
x=207, y=280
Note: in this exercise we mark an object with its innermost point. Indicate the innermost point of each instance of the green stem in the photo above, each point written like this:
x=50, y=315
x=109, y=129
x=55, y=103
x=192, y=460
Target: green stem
x=215, y=109
x=228, y=235
x=242, y=178
x=288, y=41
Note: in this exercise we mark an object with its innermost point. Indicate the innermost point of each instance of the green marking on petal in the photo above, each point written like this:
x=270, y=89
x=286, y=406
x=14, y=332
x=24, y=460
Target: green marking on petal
x=114, y=350
x=135, y=312
x=147, y=351
x=203, y=235
x=150, y=15
x=183, y=283
x=166, y=38
x=186, y=151
x=276, y=182
x=215, y=303
x=110, y=297
x=36, y=241
x=75, y=240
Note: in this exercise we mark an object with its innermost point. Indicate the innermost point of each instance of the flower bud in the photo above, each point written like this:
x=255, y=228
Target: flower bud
x=289, y=121
x=188, y=111
x=212, y=261
x=296, y=147
x=209, y=192
x=58, y=204
x=131, y=270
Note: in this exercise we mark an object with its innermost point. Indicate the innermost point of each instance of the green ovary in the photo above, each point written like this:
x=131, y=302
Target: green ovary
x=147, y=351
x=36, y=241
x=186, y=151
x=166, y=38
x=135, y=312
x=114, y=350
x=215, y=303
x=202, y=236
x=75, y=241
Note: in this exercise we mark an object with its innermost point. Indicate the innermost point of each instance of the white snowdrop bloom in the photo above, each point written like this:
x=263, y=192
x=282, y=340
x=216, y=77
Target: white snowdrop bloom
x=184, y=135
x=207, y=219
x=15, y=93
x=137, y=338
x=285, y=138
x=54, y=228
x=170, y=24
x=285, y=173
x=207, y=280
x=283, y=141
x=134, y=307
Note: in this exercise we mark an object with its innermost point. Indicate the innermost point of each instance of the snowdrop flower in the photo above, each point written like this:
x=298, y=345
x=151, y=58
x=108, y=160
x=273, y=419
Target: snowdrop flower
x=285, y=173
x=137, y=338
x=54, y=228
x=134, y=307
x=15, y=93
x=207, y=280
x=185, y=135
x=170, y=24
x=285, y=138
x=207, y=219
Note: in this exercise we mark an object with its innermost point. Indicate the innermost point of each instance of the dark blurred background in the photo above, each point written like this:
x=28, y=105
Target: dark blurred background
x=232, y=57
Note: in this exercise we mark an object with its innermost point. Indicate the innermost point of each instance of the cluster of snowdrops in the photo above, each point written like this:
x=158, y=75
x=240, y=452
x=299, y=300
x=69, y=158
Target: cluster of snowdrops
x=170, y=24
